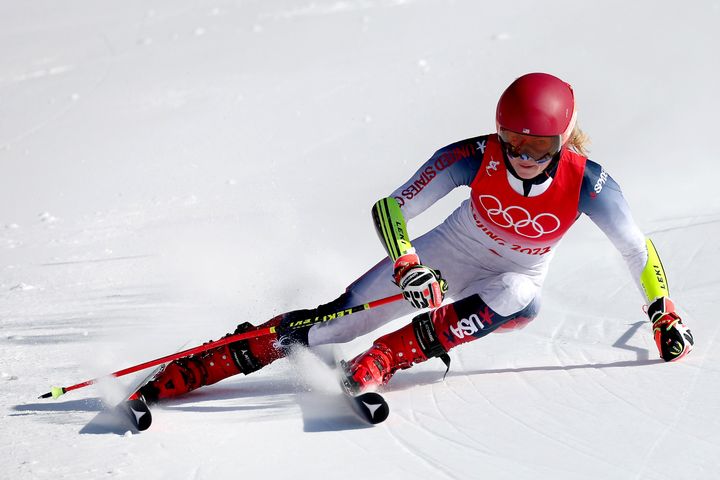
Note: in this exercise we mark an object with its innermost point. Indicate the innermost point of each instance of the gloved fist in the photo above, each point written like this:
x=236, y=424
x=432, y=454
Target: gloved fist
x=673, y=339
x=422, y=286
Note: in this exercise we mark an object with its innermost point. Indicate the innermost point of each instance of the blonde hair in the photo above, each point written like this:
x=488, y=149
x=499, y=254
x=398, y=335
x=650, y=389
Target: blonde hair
x=579, y=141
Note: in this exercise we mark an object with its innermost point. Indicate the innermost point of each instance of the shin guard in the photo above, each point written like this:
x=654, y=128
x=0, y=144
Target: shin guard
x=429, y=335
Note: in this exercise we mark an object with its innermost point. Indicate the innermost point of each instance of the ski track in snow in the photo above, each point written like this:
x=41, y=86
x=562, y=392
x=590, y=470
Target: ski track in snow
x=681, y=408
x=434, y=467
x=525, y=425
x=449, y=421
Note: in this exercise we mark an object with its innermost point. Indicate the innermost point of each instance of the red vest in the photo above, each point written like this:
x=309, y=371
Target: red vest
x=529, y=225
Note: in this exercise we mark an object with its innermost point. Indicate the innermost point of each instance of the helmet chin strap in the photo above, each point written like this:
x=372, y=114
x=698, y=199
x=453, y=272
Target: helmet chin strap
x=540, y=178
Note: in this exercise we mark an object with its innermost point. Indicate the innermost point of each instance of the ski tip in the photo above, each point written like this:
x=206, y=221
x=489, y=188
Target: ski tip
x=139, y=414
x=54, y=392
x=373, y=406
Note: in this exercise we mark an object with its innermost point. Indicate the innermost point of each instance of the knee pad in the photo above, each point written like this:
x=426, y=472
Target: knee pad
x=509, y=293
x=523, y=317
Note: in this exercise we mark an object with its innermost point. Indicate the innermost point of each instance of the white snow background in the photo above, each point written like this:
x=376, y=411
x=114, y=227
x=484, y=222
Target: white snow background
x=172, y=168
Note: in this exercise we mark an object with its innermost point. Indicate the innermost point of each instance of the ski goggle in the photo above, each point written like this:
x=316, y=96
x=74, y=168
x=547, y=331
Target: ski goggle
x=519, y=146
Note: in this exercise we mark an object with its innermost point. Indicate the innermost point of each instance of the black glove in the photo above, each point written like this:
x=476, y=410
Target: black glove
x=673, y=339
x=422, y=286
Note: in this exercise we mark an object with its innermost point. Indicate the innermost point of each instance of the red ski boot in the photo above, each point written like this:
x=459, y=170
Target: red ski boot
x=187, y=374
x=414, y=343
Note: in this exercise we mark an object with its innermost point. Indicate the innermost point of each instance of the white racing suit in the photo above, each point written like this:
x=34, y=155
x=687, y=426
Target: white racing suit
x=495, y=248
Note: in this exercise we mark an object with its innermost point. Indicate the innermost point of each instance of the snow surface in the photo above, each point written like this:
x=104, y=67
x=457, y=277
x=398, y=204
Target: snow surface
x=172, y=168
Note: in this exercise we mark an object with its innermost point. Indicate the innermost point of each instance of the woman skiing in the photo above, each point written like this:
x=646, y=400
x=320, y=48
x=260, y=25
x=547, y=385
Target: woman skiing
x=529, y=182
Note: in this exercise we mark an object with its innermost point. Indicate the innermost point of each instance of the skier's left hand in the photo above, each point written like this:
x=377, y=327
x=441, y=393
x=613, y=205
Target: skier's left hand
x=673, y=339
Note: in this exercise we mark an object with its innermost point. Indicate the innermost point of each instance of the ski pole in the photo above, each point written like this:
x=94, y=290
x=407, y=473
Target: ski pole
x=56, y=392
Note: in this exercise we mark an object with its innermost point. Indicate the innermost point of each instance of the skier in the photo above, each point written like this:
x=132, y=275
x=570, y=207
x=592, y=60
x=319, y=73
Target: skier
x=529, y=182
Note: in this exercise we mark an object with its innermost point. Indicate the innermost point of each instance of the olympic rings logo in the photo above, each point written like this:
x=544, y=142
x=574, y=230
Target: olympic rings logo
x=518, y=218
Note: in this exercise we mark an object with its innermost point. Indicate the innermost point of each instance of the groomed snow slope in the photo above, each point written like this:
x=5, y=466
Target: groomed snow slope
x=172, y=168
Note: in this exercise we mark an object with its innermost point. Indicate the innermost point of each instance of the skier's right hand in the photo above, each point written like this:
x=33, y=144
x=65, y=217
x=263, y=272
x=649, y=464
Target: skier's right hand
x=673, y=339
x=422, y=286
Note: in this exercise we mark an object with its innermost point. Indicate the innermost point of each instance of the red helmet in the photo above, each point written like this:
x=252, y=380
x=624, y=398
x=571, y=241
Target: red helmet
x=537, y=104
